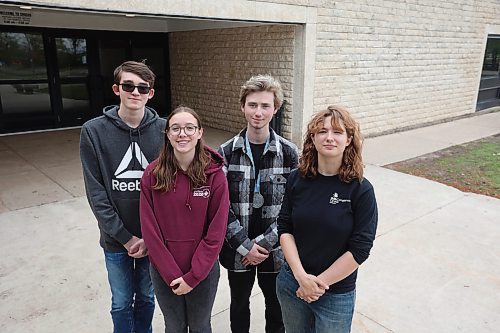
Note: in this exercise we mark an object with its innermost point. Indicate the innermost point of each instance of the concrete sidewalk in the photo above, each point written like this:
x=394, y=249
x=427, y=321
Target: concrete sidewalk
x=386, y=149
x=434, y=267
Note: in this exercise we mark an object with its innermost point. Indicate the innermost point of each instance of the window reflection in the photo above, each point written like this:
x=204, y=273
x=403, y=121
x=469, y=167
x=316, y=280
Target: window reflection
x=25, y=98
x=22, y=56
x=489, y=87
x=72, y=57
x=491, y=57
x=75, y=98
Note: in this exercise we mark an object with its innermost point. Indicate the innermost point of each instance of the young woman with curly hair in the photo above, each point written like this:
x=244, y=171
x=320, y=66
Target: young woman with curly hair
x=326, y=226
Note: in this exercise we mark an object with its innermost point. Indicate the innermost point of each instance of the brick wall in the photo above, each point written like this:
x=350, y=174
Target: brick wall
x=394, y=64
x=398, y=64
x=208, y=68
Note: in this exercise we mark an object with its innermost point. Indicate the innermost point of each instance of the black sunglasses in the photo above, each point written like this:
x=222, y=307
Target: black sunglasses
x=128, y=87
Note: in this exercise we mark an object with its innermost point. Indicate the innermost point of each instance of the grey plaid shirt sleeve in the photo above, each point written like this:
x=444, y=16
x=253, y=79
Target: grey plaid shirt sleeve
x=269, y=238
x=236, y=235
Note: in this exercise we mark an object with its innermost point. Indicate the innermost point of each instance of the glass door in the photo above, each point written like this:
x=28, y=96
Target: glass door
x=71, y=80
x=25, y=100
x=53, y=78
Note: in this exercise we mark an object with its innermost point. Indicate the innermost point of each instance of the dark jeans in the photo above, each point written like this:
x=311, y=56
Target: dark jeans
x=192, y=310
x=241, y=284
x=132, y=301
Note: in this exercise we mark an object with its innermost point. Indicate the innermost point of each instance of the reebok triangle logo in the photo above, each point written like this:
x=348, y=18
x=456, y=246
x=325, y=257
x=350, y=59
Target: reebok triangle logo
x=134, y=151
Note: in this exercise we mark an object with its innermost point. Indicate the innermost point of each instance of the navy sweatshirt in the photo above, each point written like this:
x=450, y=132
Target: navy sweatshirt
x=327, y=218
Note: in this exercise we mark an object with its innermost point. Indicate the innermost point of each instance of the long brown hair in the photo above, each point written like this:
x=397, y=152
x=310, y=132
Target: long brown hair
x=352, y=163
x=166, y=169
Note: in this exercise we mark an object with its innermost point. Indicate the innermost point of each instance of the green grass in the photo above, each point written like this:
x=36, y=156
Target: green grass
x=471, y=167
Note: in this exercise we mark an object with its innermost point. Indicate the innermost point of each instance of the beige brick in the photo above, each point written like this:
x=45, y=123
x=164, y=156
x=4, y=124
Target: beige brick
x=208, y=67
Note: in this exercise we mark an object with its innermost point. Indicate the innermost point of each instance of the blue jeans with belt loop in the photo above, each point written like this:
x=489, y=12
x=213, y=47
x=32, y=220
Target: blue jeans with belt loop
x=331, y=313
x=132, y=295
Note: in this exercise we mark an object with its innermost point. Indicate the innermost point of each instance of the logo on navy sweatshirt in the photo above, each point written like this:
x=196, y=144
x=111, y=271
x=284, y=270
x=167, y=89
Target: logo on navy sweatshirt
x=128, y=170
x=335, y=199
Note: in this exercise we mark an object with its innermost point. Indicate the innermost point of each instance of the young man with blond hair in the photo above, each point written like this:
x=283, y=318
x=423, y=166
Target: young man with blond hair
x=257, y=164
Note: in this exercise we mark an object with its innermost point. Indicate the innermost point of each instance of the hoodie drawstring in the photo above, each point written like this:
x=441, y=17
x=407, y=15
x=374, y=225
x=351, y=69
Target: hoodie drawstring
x=132, y=145
x=139, y=133
x=188, y=199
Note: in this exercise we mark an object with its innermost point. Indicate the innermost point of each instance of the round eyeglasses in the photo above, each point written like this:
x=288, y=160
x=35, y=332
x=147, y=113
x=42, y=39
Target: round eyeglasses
x=188, y=129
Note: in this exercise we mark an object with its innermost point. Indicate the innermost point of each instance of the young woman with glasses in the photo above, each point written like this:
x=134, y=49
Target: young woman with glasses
x=184, y=209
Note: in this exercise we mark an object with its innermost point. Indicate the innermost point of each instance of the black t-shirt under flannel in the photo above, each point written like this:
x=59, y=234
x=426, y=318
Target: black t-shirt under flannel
x=255, y=227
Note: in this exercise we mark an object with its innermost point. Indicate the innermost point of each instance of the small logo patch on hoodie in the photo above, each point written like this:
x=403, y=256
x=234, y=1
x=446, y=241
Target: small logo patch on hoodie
x=203, y=192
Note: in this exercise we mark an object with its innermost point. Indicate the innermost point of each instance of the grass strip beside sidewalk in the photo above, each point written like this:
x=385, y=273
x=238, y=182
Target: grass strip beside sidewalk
x=470, y=167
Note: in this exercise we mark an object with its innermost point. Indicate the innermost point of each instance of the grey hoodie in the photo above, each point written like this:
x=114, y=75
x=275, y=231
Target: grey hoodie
x=114, y=157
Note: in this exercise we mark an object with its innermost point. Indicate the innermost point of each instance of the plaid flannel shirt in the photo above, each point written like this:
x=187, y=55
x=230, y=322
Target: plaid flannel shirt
x=278, y=160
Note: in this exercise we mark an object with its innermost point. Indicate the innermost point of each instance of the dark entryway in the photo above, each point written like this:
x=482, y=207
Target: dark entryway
x=53, y=78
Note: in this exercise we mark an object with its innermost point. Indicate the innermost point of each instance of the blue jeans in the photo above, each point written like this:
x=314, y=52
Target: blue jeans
x=190, y=312
x=132, y=301
x=331, y=313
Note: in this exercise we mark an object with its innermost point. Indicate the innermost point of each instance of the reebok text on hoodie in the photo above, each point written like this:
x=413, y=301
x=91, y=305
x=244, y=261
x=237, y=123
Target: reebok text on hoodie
x=113, y=157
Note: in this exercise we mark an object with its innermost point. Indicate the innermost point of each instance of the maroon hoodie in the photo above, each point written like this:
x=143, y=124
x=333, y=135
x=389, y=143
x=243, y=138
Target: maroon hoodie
x=184, y=228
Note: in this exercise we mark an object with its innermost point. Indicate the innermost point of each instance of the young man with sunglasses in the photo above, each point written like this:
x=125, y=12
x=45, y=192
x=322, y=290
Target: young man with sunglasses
x=257, y=163
x=115, y=148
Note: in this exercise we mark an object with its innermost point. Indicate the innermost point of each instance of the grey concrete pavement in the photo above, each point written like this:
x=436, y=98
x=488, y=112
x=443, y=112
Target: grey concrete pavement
x=386, y=149
x=434, y=267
